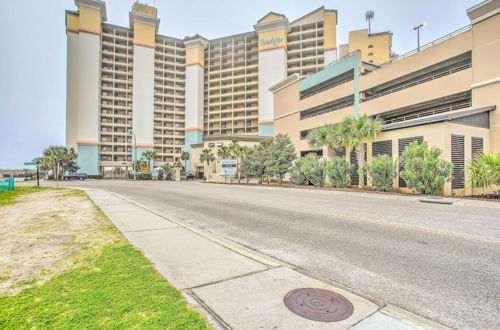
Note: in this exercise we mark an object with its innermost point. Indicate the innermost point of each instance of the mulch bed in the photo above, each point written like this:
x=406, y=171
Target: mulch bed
x=491, y=198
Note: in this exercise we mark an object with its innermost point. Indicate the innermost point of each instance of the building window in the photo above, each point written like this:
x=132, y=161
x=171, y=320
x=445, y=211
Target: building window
x=370, y=54
x=370, y=46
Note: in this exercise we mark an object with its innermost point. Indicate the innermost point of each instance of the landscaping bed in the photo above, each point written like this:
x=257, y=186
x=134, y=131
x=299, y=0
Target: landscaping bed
x=493, y=198
x=64, y=265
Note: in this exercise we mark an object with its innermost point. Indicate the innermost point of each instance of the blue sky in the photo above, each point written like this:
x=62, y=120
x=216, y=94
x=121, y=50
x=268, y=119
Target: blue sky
x=33, y=56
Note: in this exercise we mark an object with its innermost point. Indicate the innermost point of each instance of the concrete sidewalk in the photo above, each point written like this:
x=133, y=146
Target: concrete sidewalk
x=236, y=287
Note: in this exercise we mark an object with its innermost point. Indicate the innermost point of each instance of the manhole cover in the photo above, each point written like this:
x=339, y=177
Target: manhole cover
x=318, y=304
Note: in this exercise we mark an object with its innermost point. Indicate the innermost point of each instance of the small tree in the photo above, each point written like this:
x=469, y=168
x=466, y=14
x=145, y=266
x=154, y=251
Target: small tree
x=484, y=170
x=282, y=154
x=247, y=160
x=296, y=176
x=339, y=172
x=262, y=159
x=314, y=169
x=185, y=157
x=167, y=171
x=424, y=171
x=382, y=171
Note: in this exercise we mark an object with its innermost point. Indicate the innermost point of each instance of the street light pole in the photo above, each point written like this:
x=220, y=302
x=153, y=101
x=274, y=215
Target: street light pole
x=134, y=167
x=418, y=35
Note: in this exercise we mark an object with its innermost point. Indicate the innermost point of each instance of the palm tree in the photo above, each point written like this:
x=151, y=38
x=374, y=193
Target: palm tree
x=238, y=151
x=68, y=160
x=185, y=157
x=54, y=155
x=43, y=163
x=206, y=156
x=369, y=16
x=324, y=137
x=149, y=156
x=224, y=152
x=484, y=170
x=353, y=133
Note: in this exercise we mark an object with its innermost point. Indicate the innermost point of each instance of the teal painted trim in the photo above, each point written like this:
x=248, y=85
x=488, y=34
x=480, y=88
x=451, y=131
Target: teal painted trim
x=191, y=137
x=330, y=71
x=266, y=130
x=356, y=85
x=88, y=160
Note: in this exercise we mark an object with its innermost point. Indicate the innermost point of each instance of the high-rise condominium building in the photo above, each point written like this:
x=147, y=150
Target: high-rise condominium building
x=130, y=89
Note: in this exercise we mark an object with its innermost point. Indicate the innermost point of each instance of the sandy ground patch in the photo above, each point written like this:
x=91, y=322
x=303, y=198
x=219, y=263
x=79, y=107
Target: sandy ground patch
x=47, y=232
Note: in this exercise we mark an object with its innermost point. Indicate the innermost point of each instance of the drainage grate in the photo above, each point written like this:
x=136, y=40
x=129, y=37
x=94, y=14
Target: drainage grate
x=318, y=304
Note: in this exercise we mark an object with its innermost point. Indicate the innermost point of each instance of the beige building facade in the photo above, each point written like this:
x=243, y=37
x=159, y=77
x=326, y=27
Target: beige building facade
x=447, y=94
x=130, y=89
x=374, y=47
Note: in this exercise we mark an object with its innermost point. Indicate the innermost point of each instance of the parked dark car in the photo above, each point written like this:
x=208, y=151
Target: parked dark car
x=75, y=176
x=187, y=176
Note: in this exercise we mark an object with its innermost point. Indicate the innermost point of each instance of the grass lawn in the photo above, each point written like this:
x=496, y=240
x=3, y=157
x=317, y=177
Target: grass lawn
x=112, y=286
x=8, y=197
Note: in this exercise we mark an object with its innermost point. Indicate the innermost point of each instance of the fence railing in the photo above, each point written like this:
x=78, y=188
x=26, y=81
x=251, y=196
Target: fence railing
x=418, y=82
x=427, y=45
x=317, y=91
x=429, y=113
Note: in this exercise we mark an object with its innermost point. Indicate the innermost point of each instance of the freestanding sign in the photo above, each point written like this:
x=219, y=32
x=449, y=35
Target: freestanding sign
x=228, y=168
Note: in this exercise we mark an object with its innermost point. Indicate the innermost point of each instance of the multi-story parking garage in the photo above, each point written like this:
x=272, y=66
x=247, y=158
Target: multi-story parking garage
x=447, y=93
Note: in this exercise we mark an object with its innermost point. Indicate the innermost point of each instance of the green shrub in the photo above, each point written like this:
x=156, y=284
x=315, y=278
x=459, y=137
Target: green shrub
x=423, y=170
x=484, y=170
x=94, y=176
x=296, y=176
x=339, y=171
x=140, y=176
x=313, y=169
x=382, y=171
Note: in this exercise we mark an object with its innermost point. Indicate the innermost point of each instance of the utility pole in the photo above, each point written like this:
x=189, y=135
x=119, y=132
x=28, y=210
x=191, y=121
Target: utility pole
x=418, y=34
x=37, y=174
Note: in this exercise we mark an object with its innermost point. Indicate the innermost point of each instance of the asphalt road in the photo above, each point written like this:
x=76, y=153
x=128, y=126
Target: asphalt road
x=438, y=261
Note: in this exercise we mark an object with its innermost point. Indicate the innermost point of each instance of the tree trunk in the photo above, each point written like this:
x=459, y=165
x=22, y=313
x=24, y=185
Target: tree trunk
x=330, y=152
x=360, y=159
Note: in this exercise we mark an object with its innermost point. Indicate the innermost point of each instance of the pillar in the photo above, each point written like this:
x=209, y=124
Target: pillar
x=330, y=36
x=195, y=63
x=272, y=35
x=485, y=69
x=145, y=24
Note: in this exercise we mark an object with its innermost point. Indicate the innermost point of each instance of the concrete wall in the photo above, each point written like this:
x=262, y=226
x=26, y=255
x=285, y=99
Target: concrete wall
x=72, y=89
x=486, y=75
x=272, y=69
x=381, y=45
x=143, y=96
x=88, y=86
